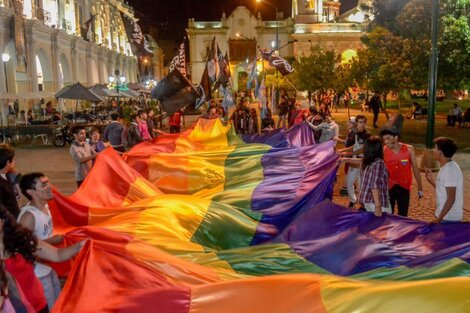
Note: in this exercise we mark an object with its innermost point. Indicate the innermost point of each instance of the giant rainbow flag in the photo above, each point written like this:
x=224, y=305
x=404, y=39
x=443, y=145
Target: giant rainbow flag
x=206, y=221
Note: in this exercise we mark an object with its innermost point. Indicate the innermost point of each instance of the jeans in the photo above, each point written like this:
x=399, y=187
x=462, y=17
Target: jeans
x=401, y=197
x=51, y=285
x=353, y=174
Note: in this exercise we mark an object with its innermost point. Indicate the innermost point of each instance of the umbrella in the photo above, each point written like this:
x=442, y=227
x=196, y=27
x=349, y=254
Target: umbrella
x=103, y=91
x=78, y=92
x=129, y=93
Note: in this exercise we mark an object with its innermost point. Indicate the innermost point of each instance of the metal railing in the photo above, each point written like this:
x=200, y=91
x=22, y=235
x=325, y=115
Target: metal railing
x=65, y=25
x=44, y=16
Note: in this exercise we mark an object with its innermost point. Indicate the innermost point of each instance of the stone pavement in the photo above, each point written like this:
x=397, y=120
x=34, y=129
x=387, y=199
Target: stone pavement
x=58, y=165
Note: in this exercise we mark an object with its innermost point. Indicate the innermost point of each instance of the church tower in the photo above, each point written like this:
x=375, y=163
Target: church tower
x=315, y=11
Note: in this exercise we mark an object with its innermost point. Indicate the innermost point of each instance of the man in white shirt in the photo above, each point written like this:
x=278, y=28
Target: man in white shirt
x=35, y=216
x=449, y=182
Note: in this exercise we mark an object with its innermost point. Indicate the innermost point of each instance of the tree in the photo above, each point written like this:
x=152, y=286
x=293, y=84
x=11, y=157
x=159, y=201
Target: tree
x=377, y=67
x=274, y=78
x=316, y=72
x=410, y=20
x=413, y=21
x=454, y=58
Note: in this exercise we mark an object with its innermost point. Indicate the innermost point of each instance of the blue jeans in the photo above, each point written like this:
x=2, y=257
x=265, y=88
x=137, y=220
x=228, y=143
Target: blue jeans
x=51, y=285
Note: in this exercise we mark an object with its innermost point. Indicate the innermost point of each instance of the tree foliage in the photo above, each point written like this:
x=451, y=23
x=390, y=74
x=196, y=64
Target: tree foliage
x=410, y=21
x=317, y=71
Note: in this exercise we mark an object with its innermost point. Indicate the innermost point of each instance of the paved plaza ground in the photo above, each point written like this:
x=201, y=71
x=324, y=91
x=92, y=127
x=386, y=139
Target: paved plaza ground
x=58, y=165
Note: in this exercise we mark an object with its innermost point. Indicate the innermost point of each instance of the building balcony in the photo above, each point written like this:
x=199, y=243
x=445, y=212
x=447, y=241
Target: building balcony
x=65, y=25
x=44, y=16
x=330, y=28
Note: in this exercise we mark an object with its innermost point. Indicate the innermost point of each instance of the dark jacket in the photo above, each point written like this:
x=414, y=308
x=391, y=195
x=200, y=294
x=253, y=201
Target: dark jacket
x=113, y=134
x=133, y=135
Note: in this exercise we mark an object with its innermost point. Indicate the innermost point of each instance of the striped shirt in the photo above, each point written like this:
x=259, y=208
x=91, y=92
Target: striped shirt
x=374, y=176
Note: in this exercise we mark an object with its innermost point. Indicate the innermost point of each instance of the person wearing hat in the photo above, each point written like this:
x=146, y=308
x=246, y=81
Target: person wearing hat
x=400, y=160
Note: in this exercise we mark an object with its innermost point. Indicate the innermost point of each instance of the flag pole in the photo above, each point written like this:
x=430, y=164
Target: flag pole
x=291, y=84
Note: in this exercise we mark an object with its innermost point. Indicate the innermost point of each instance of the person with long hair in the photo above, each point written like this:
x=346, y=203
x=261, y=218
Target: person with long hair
x=19, y=249
x=373, y=193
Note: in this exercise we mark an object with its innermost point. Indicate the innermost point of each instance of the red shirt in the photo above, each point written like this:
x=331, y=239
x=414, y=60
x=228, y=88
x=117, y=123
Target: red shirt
x=23, y=272
x=399, y=167
x=175, y=119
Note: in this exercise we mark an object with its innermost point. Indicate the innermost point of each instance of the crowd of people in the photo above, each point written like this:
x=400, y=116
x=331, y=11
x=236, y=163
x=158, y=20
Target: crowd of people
x=379, y=175
x=383, y=168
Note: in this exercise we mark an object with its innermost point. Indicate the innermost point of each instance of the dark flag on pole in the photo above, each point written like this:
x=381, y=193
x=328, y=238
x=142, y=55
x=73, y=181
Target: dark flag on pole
x=179, y=61
x=139, y=43
x=225, y=74
x=175, y=92
x=170, y=85
x=204, y=88
x=213, y=66
x=279, y=63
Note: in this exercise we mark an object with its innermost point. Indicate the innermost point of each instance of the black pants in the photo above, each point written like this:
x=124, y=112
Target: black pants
x=175, y=129
x=401, y=197
x=376, y=116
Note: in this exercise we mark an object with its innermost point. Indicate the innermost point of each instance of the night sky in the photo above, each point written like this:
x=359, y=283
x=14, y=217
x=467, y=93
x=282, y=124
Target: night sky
x=166, y=20
x=170, y=17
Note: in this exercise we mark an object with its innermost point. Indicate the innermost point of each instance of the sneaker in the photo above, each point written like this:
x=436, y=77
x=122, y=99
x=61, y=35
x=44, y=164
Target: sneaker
x=343, y=191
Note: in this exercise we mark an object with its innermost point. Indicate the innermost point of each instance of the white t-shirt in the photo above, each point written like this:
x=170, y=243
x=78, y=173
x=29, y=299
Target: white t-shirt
x=42, y=230
x=450, y=175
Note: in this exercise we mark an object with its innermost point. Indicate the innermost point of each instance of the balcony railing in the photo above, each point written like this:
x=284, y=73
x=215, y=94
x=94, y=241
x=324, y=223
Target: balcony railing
x=66, y=25
x=44, y=16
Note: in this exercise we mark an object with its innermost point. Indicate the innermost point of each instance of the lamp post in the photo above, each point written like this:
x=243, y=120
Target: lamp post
x=277, y=24
x=117, y=81
x=5, y=59
x=238, y=35
x=432, y=74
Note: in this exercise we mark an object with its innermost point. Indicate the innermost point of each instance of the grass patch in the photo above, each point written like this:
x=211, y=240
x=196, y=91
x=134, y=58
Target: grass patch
x=442, y=107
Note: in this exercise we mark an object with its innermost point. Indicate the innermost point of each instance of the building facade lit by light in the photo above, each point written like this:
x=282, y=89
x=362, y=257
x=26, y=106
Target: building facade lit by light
x=54, y=43
x=313, y=22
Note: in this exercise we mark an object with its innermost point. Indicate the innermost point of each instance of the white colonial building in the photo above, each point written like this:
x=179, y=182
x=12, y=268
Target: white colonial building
x=48, y=44
x=313, y=22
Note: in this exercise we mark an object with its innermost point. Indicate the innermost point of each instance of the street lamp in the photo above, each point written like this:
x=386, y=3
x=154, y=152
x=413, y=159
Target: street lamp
x=277, y=24
x=238, y=35
x=117, y=81
x=5, y=59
